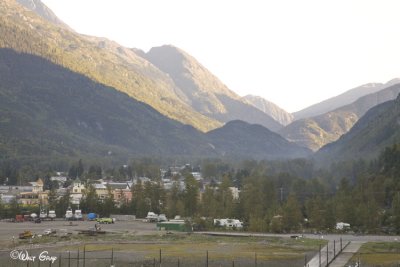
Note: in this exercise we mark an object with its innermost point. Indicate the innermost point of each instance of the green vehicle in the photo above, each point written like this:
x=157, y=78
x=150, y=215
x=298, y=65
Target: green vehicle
x=105, y=220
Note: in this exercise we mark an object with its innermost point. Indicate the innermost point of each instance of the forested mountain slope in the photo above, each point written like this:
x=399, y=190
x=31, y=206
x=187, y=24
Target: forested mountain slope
x=377, y=129
x=318, y=131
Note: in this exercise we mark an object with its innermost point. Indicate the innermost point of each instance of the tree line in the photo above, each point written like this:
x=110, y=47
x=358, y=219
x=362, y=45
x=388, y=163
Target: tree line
x=273, y=196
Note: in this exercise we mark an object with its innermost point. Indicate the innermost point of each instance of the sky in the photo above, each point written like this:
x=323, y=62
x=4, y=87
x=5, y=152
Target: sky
x=293, y=53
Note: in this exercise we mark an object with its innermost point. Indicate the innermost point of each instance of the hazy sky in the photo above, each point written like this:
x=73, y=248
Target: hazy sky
x=293, y=53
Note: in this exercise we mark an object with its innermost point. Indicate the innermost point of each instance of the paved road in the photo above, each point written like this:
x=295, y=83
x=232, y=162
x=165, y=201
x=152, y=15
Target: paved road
x=347, y=253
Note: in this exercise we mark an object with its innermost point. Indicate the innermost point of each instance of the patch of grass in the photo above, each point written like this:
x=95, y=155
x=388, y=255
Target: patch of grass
x=379, y=253
x=196, y=246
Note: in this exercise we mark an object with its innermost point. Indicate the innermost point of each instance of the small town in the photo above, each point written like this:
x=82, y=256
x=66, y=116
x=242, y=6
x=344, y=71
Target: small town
x=208, y=133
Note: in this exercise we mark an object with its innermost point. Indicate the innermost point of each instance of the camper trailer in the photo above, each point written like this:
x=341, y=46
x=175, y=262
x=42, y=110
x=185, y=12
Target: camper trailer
x=228, y=223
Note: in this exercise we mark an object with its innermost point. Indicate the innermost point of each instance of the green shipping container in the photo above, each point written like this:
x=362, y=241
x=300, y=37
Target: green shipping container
x=174, y=226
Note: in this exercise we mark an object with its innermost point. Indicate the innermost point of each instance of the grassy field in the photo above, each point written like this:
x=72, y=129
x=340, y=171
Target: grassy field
x=187, y=249
x=382, y=254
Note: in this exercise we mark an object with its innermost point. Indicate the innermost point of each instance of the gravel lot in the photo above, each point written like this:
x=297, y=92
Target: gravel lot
x=137, y=227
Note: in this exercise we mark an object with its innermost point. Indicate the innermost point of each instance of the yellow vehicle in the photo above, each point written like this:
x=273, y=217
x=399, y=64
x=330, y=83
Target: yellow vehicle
x=105, y=220
x=25, y=235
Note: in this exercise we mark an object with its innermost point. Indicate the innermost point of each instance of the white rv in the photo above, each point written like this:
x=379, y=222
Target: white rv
x=43, y=214
x=52, y=214
x=78, y=215
x=151, y=217
x=69, y=215
x=228, y=223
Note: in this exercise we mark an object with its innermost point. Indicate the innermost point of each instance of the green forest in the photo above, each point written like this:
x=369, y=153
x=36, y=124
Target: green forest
x=275, y=196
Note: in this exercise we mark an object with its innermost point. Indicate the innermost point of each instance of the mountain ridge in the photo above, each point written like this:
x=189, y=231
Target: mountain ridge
x=345, y=98
x=50, y=112
x=317, y=131
x=119, y=67
x=377, y=129
x=204, y=91
x=268, y=107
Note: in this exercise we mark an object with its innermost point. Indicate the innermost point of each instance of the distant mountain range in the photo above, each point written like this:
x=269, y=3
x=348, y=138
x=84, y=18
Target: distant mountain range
x=377, y=129
x=50, y=113
x=166, y=78
x=277, y=113
x=346, y=98
x=320, y=130
x=66, y=95
x=204, y=92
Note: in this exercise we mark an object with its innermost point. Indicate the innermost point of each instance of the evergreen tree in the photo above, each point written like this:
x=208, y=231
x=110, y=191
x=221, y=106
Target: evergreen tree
x=191, y=195
x=292, y=216
x=52, y=199
x=63, y=204
x=108, y=205
x=90, y=201
x=140, y=205
x=174, y=201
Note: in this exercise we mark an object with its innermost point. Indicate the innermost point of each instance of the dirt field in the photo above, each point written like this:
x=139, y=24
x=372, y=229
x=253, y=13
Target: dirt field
x=9, y=229
x=137, y=243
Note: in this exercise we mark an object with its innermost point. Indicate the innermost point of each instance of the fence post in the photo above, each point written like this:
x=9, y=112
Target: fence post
x=319, y=256
x=179, y=263
x=327, y=255
x=69, y=258
x=207, y=259
x=341, y=247
x=59, y=261
x=334, y=248
x=112, y=256
x=154, y=262
x=160, y=258
x=255, y=259
x=84, y=255
x=305, y=260
x=233, y=263
x=77, y=260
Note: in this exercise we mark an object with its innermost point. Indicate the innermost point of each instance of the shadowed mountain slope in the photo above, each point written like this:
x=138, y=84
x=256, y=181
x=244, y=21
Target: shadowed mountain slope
x=48, y=112
x=97, y=58
x=255, y=141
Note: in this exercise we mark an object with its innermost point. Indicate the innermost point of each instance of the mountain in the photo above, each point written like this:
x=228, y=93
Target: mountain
x=271, y=109
x=101, y=60
x=376, y=130
x=50, y=113
x=240, y=139
x=201, y=100
x=203, y=91
x=42, y=10
x=320, y=130
x=342, y=99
